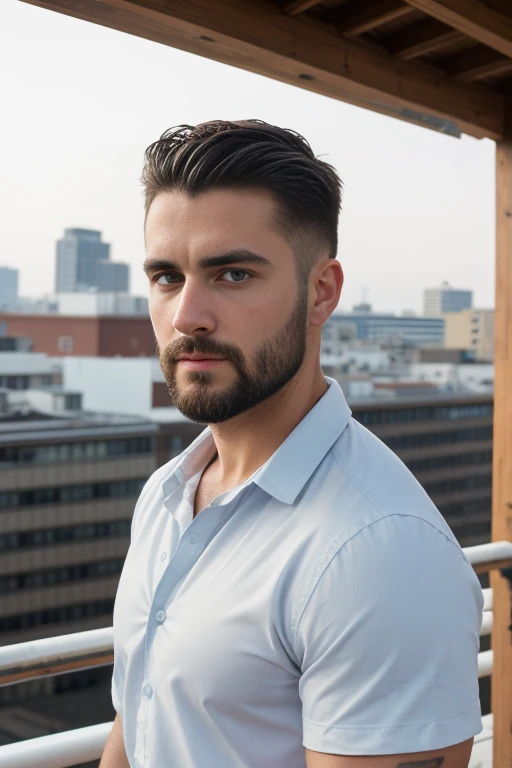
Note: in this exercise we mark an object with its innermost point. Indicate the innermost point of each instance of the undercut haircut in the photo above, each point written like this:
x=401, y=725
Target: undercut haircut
x=253, y=155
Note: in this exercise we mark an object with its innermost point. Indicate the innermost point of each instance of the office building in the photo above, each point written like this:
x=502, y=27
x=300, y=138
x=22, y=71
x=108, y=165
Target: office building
x=437, y=301
x=384, y=328
x=8, y=287
x=446, y=442
x=68, y=489
x=471, y=330
x=112, y=276
x=83, y=262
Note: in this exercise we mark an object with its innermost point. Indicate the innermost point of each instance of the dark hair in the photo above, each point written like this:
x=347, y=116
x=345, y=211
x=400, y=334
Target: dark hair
x=251, y=154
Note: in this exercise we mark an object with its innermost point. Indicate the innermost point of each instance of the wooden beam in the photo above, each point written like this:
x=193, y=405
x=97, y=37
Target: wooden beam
x=475, y=63
x=421, y=38
x=360, y=16
x=502, y=455
x=258, y=37
x=299, y=6
x=474, y=19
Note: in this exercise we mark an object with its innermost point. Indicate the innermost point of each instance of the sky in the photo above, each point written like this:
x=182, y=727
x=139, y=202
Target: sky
x=80, y=104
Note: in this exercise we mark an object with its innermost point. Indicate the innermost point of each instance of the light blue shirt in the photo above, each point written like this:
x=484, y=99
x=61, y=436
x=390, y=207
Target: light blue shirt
x=322, y=603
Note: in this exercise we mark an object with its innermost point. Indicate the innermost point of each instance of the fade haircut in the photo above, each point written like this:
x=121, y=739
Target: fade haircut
x=251, y=154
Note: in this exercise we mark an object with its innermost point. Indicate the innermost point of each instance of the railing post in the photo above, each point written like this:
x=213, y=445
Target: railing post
x=502, y=457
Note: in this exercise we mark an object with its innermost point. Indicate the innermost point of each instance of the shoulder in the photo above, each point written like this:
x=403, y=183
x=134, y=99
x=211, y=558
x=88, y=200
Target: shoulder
x=371, y=516
x=359, y=482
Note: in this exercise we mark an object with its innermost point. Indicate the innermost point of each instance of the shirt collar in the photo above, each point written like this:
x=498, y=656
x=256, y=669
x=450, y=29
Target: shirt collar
x=287, y=471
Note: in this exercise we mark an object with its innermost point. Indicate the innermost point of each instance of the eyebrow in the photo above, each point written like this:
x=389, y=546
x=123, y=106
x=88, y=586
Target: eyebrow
x=222, y=260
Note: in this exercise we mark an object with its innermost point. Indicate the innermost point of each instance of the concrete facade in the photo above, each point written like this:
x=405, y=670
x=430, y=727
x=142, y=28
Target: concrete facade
x=472, y=330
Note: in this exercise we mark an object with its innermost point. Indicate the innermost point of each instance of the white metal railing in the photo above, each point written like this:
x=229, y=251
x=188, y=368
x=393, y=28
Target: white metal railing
x=55, y=655
x=59, y=750
x=84, y=650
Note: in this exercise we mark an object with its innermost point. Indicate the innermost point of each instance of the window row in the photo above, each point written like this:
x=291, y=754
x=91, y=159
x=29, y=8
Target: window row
x=56, y=615
x=472, y=529
x=82, y=451
x=466, y=508
x=70, y=493
x=423, y=413
x=53, y=576
x=26, y=382
x=115, y=529
x=401, y=442
x=454, y=484
x=453, y=460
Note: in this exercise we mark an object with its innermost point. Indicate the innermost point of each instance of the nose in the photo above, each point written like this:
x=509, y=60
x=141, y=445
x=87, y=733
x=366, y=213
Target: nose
x=193, y=315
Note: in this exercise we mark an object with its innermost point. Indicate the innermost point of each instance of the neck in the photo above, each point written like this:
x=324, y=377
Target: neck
x=246, y=442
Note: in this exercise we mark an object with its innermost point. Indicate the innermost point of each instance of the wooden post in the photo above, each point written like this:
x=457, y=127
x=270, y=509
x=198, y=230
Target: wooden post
x=502, y=458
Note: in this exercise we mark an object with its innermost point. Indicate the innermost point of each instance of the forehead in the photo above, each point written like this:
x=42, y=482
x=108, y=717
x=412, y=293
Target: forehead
x=215, y=220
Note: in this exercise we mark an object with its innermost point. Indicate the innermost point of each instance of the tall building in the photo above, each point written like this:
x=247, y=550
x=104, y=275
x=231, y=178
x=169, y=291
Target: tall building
x=471, y=330
x=8, y=287
x=437, y=301
x=112, y=276
x=83, y=262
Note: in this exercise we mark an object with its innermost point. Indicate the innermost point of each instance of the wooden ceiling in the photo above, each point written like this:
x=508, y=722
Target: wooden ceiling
x=443, y=64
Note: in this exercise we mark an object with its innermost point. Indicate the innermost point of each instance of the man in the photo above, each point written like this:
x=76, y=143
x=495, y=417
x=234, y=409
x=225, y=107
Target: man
x=291, y=596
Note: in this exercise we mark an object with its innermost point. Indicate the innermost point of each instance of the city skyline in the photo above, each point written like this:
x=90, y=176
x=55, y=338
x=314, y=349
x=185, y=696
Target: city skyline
x=418, y=206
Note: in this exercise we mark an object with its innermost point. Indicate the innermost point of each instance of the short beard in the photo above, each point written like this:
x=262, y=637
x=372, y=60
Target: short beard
x=274, y=363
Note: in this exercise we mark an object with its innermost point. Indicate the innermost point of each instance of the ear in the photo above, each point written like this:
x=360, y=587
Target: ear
x=325, y=289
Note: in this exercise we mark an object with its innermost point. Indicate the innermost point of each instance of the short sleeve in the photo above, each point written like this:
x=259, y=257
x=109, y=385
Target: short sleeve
x=388, y=644
x=116, y=698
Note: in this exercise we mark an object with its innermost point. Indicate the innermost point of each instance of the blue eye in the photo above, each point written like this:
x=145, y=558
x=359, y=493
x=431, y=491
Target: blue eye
x=238, y=275
x=167, y=278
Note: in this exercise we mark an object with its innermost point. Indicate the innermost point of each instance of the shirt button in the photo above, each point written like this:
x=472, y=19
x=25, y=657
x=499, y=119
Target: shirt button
x=147, y=691
x=193, y=538
x=163, y=555
x=160, y=616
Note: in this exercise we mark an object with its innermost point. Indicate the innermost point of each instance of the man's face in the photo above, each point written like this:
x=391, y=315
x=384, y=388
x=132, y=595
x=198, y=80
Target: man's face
x=229, y=317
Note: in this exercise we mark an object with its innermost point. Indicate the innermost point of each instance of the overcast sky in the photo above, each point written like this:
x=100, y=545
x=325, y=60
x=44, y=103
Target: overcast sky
x=80, y=103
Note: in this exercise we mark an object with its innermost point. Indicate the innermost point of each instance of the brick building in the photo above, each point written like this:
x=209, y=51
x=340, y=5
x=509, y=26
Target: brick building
x=102, y=336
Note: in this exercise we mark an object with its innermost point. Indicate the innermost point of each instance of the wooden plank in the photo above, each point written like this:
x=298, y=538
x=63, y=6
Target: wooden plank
x=299, y=6
x=258, y=37
x=475, y=63
x=502, y=454
x=360, y=16
x=474, y=19
x=421, y=38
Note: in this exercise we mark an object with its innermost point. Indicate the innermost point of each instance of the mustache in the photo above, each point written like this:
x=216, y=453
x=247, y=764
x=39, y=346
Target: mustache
x=201, y=345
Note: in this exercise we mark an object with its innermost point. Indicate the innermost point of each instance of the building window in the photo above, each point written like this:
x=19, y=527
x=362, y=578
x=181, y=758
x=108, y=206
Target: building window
x=65, y=344
x=71, y=493
x=81, y=572
x=420, y=440
x=115, y=529
x=54, y=615
x=47, y=454
x=476, y=458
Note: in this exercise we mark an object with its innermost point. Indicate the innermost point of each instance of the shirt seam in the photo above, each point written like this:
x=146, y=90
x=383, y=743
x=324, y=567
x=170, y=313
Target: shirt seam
x=303, y=608
x=401, y=725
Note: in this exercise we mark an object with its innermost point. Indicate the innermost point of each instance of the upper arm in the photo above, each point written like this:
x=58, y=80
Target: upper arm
x=388, y=646
x=456, y=756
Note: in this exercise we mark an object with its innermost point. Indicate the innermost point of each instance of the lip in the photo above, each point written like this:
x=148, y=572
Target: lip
x=200, y=363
